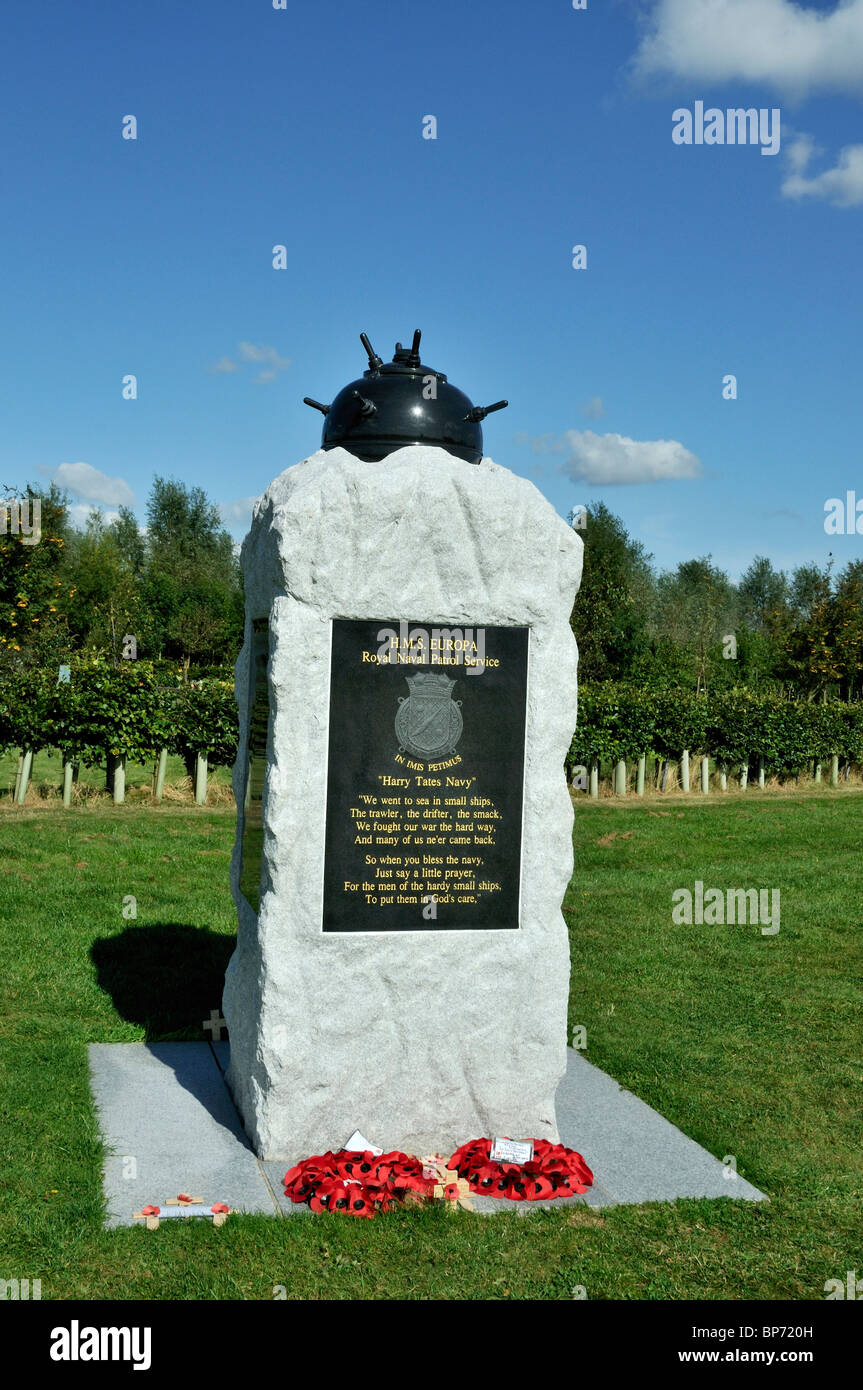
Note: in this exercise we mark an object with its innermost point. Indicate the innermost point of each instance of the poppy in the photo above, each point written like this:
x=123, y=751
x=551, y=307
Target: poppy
x=554, y=1168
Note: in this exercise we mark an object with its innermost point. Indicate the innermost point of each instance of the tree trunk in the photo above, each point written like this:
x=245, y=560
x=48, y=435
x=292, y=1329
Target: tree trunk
x=201, y=779
x=159, y=779
x=67, y=782
x=26, y=767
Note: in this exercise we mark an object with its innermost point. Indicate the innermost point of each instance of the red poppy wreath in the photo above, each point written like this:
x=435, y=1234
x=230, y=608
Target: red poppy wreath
x=554, y=1171
x=359, y=1184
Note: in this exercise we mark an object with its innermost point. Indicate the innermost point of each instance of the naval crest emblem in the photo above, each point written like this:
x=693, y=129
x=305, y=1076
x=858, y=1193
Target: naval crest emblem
x=429, y=722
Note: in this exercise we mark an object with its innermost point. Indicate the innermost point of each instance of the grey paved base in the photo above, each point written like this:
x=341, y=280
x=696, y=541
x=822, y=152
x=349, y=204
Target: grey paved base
x=636, y=1155
x=170, y=1126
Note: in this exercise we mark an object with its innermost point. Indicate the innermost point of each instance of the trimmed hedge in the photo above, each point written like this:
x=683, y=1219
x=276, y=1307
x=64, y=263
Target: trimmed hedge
x=619, y=720
x=122, y=711
x=129, y=711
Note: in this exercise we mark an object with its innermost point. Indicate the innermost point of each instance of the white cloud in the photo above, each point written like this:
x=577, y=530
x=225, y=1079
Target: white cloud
x=593, y=409
x=238, y=512
x=541, y=443
x=249, y=353
x=266, y=357
x=795, y=49
x=800, y=151
x=85, y=481
x=603, y=459
x=842, y=185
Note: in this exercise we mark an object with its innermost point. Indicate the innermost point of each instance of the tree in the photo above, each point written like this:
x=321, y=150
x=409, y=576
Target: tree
x=763, y=593
x=811, y=659
x=848, y=626
x=809, y=587
x=757, y=664
x=696, y=606
x=110, y=600
x=129, y=541
x=609, y=618
x=191, y=577
x=34, y=594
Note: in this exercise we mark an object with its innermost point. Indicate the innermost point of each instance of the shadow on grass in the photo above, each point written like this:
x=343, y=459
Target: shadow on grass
x=168, y=977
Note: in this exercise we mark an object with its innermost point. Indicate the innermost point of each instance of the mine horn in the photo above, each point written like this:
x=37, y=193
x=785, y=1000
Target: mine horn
x=479, y=412
x=374, y=360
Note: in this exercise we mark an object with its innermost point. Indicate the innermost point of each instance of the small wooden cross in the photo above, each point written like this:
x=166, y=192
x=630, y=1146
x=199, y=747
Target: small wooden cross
x=215, y=1023
x=435, y=1166
x=193, y=1205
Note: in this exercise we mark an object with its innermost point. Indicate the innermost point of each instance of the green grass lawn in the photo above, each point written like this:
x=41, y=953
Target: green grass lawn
x=752, y=1044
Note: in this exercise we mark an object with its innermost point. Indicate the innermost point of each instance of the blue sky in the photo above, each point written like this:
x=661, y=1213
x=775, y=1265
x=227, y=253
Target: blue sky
x=303, y=127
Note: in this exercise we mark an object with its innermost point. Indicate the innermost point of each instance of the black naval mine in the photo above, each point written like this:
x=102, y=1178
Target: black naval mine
x=402, y=402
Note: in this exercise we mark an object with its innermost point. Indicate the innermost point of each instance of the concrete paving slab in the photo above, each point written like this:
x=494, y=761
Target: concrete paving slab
x=170, y=1125
x=636, y=1155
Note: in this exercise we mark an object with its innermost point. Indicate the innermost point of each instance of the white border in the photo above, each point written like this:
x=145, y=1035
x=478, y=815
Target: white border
x=396, y=932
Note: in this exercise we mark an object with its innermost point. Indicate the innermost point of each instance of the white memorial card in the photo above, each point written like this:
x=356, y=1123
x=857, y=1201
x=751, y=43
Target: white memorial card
x=357, y=1144
x=511, y=1150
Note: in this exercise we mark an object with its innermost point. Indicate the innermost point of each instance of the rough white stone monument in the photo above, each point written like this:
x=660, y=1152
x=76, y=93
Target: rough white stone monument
x=407, y=694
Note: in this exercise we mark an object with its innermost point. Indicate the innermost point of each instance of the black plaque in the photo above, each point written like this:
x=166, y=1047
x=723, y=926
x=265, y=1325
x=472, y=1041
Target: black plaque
x=256, y=765
x=425, y=777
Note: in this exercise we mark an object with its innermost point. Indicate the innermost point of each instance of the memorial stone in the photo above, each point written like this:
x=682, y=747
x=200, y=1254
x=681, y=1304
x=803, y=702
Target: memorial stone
x=407, y=693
